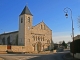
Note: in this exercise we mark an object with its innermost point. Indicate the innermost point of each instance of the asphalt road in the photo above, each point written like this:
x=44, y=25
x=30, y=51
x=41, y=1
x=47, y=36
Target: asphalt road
x=52, y=56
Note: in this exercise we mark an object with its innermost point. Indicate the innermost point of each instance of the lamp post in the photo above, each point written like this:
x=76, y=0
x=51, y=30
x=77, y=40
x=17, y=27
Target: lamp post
x=66, y=14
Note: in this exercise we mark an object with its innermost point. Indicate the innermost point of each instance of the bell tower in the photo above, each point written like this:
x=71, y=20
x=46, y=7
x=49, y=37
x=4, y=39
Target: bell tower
x=25, y=24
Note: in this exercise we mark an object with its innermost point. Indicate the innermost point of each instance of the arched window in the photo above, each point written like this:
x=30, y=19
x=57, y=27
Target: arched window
x=21, y=20
x=29, y=19
x=43, y=38
x=8, y=40
x=41, y=26
x=17, y=39
x=44, y=27
x=34, y=38
x=28, y=40
x=3, y=41
x=48, y=41
x=38, y=38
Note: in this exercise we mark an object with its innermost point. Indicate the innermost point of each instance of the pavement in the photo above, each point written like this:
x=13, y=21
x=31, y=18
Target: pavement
x=53, y=56
x=65, y=55
x=68, y=56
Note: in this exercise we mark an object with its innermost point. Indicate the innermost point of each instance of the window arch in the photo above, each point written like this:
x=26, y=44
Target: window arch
x=21, y=20
x=41, y=26
x=34, y=38
x=38, y=38
x=43, y=38
x=48, y=41
x=28, y=40
x=29, y=19
x=3, y=41
x=8, y=40
x=44, y=27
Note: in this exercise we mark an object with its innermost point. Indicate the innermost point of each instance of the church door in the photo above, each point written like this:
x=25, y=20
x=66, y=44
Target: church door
x=39, y=46
x=8, y=46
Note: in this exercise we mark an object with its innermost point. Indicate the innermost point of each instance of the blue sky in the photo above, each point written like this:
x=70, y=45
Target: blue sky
x=50, y=11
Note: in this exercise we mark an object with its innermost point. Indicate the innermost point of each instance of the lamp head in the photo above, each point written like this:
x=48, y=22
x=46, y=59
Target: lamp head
x=66, y=15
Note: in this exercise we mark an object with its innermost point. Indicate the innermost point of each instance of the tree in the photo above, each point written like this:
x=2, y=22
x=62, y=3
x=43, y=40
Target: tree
x=64, y=44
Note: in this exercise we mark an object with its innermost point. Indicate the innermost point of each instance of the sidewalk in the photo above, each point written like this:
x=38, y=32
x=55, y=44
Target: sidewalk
x=70, y=57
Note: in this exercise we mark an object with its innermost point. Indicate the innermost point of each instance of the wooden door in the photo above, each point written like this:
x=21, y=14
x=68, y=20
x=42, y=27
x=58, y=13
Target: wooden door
x=8, y=46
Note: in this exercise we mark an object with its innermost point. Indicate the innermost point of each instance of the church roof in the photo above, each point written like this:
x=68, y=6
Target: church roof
x=9, y=33
x=43, y=23
x=26, y=11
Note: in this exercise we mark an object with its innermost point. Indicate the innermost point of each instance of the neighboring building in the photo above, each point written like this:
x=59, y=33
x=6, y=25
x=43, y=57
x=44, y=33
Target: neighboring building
x=34, y=38
x=68, y=45
x=77, y=37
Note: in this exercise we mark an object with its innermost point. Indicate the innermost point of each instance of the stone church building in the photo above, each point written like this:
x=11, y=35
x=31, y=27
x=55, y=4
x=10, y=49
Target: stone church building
x=33, y=38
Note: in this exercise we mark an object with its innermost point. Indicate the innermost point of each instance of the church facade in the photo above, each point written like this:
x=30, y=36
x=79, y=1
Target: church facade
x=33, y=38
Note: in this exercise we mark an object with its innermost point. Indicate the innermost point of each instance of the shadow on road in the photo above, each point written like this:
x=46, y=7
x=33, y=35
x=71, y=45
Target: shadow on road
x=56, y=56
x=41, y=57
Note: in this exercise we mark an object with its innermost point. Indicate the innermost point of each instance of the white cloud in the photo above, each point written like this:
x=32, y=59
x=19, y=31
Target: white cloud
x=60, y=36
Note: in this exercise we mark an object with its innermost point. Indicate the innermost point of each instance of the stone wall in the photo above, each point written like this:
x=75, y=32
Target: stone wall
x=22, y=48
x=29, y=49
x=12, y=35
x=18, y=48
x=3, y=48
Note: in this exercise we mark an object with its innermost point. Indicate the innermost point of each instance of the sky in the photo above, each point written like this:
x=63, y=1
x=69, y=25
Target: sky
x=50, y=11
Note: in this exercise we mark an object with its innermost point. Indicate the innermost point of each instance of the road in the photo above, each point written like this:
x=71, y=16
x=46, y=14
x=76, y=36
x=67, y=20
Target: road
x=52, y=56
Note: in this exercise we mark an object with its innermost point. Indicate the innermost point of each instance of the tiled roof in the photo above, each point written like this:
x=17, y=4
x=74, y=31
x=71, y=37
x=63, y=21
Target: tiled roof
x=9, y=33
x=26, y=11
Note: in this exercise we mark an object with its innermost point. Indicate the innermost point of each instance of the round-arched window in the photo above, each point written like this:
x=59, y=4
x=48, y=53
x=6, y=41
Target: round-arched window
x=29, y=19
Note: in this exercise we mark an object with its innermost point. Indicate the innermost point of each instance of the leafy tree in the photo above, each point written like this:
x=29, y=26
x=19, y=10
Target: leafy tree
x=64, y=44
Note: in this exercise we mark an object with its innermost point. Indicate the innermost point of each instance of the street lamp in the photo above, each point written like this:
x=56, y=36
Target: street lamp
x=66, y=14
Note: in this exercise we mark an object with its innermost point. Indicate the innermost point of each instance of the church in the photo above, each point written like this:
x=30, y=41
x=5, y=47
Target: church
x=33, y=38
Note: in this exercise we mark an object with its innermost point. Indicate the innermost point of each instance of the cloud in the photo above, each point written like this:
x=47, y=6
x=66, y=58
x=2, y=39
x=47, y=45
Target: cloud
x=57, y=39
x=60, y=36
